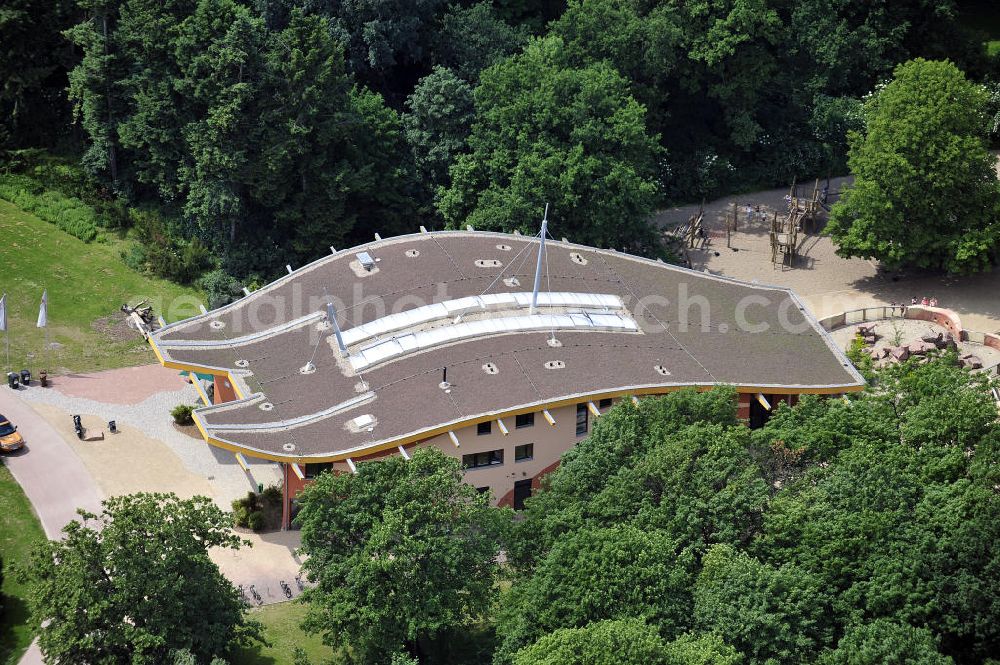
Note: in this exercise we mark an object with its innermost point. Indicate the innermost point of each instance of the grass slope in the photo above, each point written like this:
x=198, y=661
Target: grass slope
x=281, y=626
x=86, y=282
x=19, y=530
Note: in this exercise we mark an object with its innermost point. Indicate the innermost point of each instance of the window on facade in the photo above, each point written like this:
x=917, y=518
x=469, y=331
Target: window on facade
x=604, y=403
x=525, y=452
x=313, y=470
x=484, y=428
x=581, y=419
x=479, y=460
x=524, y=420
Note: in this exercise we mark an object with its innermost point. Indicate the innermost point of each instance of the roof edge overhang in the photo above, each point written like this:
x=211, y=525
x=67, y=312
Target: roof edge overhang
x=431, y=432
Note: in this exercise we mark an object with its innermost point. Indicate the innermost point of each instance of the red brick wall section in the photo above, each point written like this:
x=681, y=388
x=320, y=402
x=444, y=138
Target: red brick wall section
x=992, y=341
x=943, y=317
x=223, y=391
x=536, y=482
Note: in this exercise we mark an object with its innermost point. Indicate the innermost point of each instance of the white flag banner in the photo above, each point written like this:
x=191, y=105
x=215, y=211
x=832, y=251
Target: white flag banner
x=43, y=312
x=3, y=313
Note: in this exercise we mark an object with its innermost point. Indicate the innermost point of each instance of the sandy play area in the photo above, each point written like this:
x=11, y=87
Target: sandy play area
x=828, y=283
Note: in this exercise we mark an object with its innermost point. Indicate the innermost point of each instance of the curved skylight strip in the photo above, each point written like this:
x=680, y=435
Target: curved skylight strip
x=459, y=306
x=416, y=341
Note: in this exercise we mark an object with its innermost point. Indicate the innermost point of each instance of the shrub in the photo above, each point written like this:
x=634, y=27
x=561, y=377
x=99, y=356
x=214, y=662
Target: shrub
x=69, y=214
x=256, y=520
x=220, y=287
x=164, y=252
x=271, y=495
x=182, y=414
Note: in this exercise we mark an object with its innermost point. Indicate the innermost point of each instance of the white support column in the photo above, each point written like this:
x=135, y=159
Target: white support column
x=202, y=308
x=548, y=417
x=378, y=236
x=297, y=470
x=594, y=410
x=541, y=259
x=331, y=316
x=503, y=428
x=288, y=267
x=763, y=401
x=402, y=451
x=350, y=465
x=242, y=461
x=454, y=439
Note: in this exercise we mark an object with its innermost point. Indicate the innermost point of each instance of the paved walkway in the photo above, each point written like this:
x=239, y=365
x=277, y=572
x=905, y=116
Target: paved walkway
x=50, y=472
x=52, y=476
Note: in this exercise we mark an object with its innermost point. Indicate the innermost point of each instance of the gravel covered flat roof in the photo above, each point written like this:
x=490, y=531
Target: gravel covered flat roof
x=692, y=329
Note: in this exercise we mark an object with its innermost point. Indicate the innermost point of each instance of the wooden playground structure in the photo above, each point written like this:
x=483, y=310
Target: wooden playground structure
x=784, y=230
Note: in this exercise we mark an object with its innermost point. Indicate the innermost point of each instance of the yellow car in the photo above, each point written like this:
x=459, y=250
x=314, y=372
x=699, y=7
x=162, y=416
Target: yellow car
x=10, y=440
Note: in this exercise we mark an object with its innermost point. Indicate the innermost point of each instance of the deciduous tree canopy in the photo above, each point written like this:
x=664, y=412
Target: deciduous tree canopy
x=400, y=552
x=926, y=191
x=135, y=584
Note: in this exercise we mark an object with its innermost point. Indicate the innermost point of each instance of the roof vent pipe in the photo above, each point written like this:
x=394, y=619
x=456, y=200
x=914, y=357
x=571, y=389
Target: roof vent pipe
x=331, y=316
x=541, y=258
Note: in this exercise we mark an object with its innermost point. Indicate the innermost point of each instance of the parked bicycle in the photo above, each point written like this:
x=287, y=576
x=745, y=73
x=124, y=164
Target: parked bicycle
x=299, y=582
x=256, y=596
x=287, y=589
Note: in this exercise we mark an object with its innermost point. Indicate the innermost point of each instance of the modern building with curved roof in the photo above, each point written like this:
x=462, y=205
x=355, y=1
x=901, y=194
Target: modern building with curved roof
x=443, y=339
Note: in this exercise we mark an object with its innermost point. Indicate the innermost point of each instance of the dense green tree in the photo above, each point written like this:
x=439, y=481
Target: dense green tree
x=135, y=583
x=701, y=649
x=549, y=133
x=34, y=59
x=644, y=47
x=582, y=491
x=98, y=102
x=621, y=642
x=772, y=615
x=384, y=36
x=439, y=115
x=901, y=525
x=473, y=38
x=400, y=552
x=219, y=50
x=883, y=642
x=597, y=574
x=925, y=191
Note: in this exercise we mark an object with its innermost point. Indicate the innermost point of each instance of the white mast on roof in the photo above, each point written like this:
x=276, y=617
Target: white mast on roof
x=541, y=257
x=331, y=316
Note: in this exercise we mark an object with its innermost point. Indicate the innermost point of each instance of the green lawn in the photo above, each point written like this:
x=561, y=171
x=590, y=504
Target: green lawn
x=281, y=623
x=86, y=283
x=19, y=529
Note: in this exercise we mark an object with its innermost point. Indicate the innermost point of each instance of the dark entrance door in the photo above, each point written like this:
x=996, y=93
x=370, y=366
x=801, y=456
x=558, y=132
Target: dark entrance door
x=758, y=414
x=522, y=490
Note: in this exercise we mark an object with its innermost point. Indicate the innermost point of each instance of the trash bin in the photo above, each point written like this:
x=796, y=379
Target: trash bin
x=12, y=380
x=112, y=427
x=25, y=377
